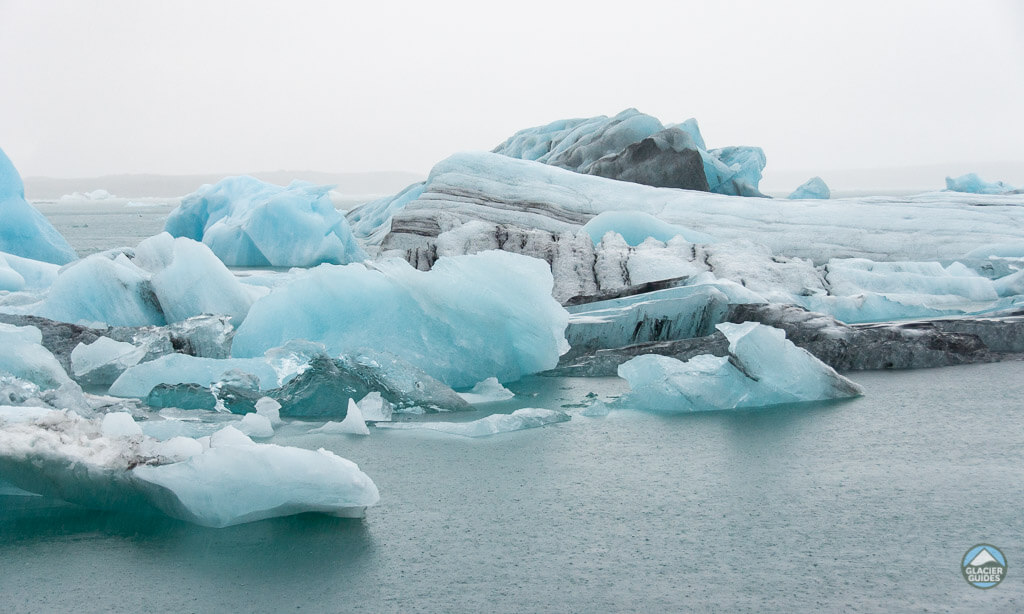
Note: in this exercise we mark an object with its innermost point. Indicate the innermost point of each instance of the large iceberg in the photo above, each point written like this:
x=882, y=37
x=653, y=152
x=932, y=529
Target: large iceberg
x=469, y=318
x=163, y=280
x=526, y=418
x=762, y=368
x=221, y=480
x=247, y=222
x=636, y=147
x=23, y=230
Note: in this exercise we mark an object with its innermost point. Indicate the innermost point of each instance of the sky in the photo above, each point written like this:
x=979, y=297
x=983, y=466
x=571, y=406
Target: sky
x=93, y=88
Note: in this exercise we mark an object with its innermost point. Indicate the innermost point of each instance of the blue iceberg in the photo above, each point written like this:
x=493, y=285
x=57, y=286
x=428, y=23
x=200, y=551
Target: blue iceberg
x=974, y=184
x=813, y=188
x=247, y=222
x=636, y=227
x=23, y=230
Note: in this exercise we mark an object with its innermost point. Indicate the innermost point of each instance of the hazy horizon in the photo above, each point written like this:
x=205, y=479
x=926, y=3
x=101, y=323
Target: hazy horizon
x=119, y=87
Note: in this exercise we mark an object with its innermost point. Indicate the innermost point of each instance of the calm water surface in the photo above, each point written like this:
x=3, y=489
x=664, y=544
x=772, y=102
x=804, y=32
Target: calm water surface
x=858, y=506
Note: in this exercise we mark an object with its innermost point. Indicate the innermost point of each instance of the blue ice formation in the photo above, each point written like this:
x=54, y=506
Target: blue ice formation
x=469, y=318
x=814, y=187
x=586, y=145
x=166, y=280
x=23, y=230
x=636, y=227
x=247, y=222
x=763, y=368
x=24, y=357
x=526, y=418
x=216, y=481
x=17, y=273
x=974, y=184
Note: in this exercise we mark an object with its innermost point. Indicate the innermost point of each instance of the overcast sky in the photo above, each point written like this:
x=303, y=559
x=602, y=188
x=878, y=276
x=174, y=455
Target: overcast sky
x=93, y=88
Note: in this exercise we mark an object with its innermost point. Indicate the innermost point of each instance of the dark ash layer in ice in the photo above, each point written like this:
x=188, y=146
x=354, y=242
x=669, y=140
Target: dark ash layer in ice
x=887, y=345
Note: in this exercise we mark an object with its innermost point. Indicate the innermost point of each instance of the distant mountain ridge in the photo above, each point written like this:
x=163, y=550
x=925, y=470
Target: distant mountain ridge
x=140, y=185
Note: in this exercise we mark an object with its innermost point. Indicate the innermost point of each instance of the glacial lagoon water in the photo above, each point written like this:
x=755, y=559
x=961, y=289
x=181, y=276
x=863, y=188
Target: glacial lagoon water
x=864, y=505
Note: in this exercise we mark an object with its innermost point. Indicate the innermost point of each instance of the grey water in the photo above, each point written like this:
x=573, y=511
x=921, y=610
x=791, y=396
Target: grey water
x=860, y=506
x=864, y=505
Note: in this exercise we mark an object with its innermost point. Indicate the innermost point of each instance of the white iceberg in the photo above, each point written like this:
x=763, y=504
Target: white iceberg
x=256, y=425
x=248, y=222
x=526, y=418
x=228, y=481
x=763, y=368
x=353, y=424
x=488, y=391
x=375, y=408
x=469, y=318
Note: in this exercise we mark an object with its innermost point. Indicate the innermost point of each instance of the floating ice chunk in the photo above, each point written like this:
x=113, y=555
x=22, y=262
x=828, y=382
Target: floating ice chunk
x=24, y=357
x=256, y=425
x=526, y=418
x=25, y=232
x=270, y=409
x=974, y=184
x=120, y=424
x=488, y=391
x=247, y=222
x=139, y=380
x=17, y=273
x=469, y=318
x=635, y=227
x=763, y=368
x=189, y=280
x=744, y=166
x=102, y=361
x=814, y=187
x=375, y=408
x=353, y=424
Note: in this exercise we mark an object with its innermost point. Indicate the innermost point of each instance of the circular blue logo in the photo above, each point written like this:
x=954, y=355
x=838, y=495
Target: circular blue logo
x=984, y=566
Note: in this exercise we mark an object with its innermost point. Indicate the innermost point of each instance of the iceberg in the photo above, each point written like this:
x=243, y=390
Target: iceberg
x=353, y=424
x=163, y=280
x=974, y=184
x=526, y=418
x=228, y=480
x=17, y=273
x=256, y=425
x=813, y=188
x=763, y=368
x=25, y=232
x=636, y=227
x=247, y=222
x=488, y=391
x=102, y=361
x=375, y=408
x=469, y=318
x=24, y=357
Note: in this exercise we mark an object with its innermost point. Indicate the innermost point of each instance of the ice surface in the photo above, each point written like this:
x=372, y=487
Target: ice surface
x=255, y=425
x=25, y=232
x=974, y=184
x=488, y=391
x=119, y=424
x=494, y=424
x=102, y=361
x=137, y=381
x=247, y=222
x=635, y=227
x=814, y=187
x=270, y=409
x=469, y=318
x=17, y=273
x=229, y=481
x=353, y=424
x=763, y=368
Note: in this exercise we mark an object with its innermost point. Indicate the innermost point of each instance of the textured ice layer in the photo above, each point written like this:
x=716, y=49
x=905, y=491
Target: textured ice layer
x=247, y=222
x=762, y=368
x=223, y=480
x=494, y=424
x=24, y=231
x=469, y=318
